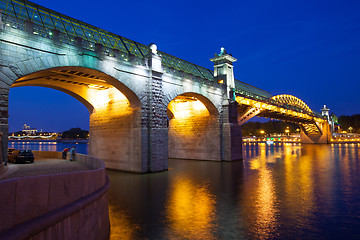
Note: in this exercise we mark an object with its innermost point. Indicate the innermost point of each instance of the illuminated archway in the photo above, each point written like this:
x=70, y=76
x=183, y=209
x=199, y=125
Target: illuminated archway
x=194, y=131
x=115, y=112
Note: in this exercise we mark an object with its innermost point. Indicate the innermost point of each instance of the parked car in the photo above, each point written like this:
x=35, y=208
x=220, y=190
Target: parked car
x=10, y=150
x=20, y=156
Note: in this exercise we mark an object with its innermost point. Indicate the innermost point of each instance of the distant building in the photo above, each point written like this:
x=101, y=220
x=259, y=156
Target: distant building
x=27, y=129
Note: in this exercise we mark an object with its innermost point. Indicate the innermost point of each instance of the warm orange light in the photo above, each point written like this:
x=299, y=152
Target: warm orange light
x=101, y=98
x=191, y=210
x=190, y=115
x=121, y=225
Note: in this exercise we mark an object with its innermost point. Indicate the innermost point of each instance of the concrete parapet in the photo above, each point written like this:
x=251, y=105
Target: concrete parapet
x=87, y=160
x=3, y=168
x=61, y=206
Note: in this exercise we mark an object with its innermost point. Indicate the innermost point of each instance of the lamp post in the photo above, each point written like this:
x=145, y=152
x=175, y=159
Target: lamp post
x=287, y=131
x=350, y=129
x=262, y=132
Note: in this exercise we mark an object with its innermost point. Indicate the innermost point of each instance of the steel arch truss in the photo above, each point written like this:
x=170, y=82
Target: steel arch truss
x=285, y=99
x=250, y=113
x=311, y=128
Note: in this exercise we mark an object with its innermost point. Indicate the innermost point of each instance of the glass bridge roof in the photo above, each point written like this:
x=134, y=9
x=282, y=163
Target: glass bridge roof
x=72, y=28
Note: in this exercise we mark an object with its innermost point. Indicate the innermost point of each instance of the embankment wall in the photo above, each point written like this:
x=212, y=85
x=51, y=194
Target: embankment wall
x=61, y=206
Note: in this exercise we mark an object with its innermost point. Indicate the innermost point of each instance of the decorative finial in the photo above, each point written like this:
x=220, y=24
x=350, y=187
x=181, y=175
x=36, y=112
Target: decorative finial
x=153, y=48
x=222, y=51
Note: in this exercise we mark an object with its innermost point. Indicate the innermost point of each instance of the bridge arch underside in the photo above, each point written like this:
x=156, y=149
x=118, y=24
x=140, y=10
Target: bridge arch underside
x=194, y=131
x=115, y=112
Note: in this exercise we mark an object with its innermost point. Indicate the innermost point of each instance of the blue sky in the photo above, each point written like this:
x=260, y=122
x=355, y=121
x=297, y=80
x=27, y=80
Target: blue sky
x=309, y=49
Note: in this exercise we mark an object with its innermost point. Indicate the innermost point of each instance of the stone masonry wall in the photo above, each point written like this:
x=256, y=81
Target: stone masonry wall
x=194, y=132
x=154, y=129
x=62, y=206
x=115, y=135
x=231, y=133
x=196, y=137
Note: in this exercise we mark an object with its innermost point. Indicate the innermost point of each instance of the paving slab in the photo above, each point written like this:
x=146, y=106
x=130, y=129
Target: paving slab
x=43, y=166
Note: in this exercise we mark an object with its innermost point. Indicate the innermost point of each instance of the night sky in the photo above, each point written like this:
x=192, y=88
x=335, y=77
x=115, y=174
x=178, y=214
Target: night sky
x=309, y=49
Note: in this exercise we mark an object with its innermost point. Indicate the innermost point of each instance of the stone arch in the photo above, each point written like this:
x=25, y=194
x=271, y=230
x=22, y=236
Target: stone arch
x=194, y=129
x=87, y=104
x=78, y=64
x=207, y=103
x=115, y=122
x=210, y=105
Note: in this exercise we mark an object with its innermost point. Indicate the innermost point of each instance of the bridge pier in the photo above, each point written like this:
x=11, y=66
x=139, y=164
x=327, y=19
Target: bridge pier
x=154, y=134
x=231, y=134
x=194, y=131
x=4, y=126
x=316, y=138
x=115, y=136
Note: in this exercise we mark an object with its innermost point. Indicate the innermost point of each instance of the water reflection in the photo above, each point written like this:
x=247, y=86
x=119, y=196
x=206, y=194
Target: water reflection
x=49, y=146
x=278, y=192
x=262, y=199
x=191, y=210
x=121, y=225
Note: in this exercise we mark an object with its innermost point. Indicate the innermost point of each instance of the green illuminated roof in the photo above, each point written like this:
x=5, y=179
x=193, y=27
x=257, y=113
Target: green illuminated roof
x=17, y=12
x=248, y=90
x=73, y=28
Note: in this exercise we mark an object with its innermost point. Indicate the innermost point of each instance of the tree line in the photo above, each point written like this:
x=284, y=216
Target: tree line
x=75, y=133
x=272, y=126
x=347, y=123
x=350, y=123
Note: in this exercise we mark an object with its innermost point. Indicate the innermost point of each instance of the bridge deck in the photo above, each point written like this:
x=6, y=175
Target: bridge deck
x=45, y=21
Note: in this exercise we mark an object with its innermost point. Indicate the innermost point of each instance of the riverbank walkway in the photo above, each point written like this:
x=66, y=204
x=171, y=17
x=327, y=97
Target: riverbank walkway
x=42, y=166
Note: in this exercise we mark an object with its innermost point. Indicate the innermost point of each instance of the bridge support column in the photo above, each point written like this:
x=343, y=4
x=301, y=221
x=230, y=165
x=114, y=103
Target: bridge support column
x=231, y=135
x=4, y=126
x=115, y=135
x=154, y=134
x=308, y=138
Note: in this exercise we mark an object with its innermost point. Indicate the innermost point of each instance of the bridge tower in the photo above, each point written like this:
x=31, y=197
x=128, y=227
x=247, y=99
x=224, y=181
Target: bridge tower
x=325, y=112
x=319, y=131
x=224, y=71
x=231, y=131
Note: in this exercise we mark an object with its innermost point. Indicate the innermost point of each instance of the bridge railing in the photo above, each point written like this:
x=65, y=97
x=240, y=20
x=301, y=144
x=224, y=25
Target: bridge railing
x=267, y=100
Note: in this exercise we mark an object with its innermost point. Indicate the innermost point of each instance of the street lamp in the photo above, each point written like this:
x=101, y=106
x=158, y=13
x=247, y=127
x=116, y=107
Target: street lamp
x=262, y=133
x=350, y=129
x=287, y=131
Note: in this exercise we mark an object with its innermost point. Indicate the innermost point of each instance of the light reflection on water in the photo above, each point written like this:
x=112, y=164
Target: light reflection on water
x=277, y=192
x=190, y=210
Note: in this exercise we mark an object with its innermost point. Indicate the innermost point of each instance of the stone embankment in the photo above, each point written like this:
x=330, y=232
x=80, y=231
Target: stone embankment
x=56, y=201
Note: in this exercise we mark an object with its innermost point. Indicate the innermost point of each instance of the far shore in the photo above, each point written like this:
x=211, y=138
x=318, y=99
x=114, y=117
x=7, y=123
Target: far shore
x=51, y=140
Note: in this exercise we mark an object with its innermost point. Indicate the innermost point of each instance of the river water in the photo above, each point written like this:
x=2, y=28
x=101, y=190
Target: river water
x=277, y=192
x=49, y=146
x=286, y=191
